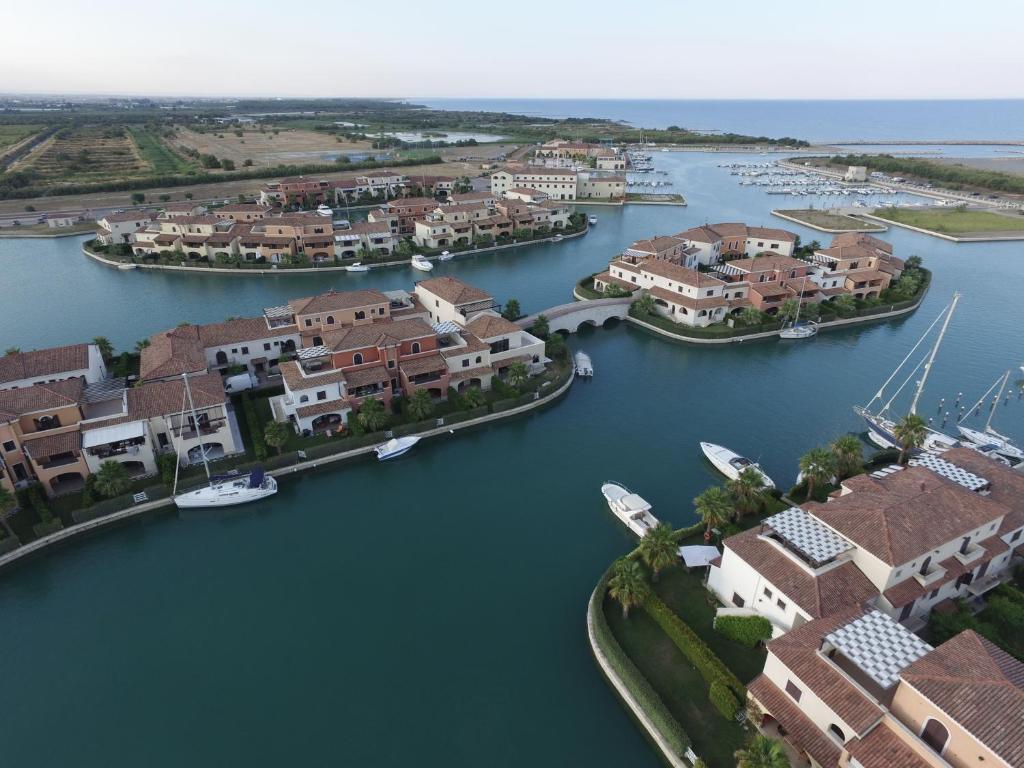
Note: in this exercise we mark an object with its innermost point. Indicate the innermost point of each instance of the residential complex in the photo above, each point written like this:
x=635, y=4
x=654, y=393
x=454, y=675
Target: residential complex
x=705, y=274
x=558, y=183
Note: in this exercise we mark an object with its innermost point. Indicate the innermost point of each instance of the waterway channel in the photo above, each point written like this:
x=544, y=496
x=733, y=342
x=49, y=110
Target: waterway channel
x=431, y=610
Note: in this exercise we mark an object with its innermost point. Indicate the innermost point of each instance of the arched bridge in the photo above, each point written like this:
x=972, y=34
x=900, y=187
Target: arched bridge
x=569, y=317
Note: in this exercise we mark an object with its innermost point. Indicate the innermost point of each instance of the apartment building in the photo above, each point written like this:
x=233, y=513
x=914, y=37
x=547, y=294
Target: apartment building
x=462, y=223
x=557, y=183
x=118, y=228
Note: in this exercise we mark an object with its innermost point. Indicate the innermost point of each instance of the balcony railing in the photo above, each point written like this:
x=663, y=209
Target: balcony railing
x=971, y=555
x=61, y=462
x=932, y=575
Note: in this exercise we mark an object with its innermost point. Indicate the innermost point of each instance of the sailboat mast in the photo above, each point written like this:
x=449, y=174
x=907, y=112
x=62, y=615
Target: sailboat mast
x=935, y=350
x=995, y=404
x=195, y=423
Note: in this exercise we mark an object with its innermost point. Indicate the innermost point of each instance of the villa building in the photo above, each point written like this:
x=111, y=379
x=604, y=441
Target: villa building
x=557, y=183
x=462, y=223
x=118, y=228
x=46, y=366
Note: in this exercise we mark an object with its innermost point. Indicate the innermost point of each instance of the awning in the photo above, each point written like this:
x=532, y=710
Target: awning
x=698, y=555
x=113, y=434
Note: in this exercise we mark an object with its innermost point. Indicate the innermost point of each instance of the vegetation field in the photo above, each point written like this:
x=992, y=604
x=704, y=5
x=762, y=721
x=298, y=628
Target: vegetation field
x=945, y=174
x=86, y=153
x=269, y=146
x=955, y=221
x=827, y=220
x=160, y=157
x=12, y=134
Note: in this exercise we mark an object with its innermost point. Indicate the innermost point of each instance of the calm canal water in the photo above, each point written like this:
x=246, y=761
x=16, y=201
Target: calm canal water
x=429, y=610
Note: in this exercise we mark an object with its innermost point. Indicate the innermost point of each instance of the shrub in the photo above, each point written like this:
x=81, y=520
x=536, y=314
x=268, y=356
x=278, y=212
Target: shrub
x=746, y=630
x=722, y=699
x=252, y=420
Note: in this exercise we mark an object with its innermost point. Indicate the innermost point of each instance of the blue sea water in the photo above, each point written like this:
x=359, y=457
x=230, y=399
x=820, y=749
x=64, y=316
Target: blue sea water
x=821, y=121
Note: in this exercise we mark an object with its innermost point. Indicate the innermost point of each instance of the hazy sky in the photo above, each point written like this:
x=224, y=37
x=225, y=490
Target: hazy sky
x=524, y=48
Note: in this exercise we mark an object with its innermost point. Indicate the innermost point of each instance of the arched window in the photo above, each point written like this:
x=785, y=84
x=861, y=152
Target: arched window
x=360, y=315
x=836, y=731
x=318, y=341
x=330, y=319
x=924, y=565
x=357, y=358
x=935, y=735
x=415, y=347
x=304, y=399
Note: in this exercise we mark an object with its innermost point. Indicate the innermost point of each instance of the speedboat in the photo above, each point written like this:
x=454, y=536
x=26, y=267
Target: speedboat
x=446, y=256
x=357, y=267
x=799, y=330
x=731, y=464
x=324, y=210
x=584, y=368
x=557, y=238
x=395, y=447
x=229, y=490
x=630, y=508
x=420, y=262
x=592, y=220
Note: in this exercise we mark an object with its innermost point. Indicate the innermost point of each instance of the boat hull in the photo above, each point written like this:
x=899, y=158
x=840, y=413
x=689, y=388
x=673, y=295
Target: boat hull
x=395, y=447
x=719, y=457
x=225, y=495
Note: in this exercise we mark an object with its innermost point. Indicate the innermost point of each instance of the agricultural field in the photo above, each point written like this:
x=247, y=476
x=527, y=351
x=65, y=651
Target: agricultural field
x=155, y=151
x=86, y=153
x=269, y=147
x=12, y=134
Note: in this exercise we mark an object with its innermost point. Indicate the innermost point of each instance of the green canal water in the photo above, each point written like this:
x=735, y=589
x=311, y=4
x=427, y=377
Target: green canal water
x=429, y=610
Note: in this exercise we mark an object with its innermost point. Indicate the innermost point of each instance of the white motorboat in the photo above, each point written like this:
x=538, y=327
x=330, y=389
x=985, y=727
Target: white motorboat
x=222, y=490
x=584, y=368
x=420, y=262
x=395, y=447
x=630, y=508
x=731, y=464
x=591, y=219
x=324, y=210
x=446, y=256
x=557, y=238
x=357, y=267
x=988, y=438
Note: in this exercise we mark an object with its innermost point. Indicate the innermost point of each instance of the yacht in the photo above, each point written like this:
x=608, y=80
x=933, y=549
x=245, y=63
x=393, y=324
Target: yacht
x=731, y=464
x=584, y=368
x=630, y=508
x=395, y=447
x=592, y=220
x=357, y=267
x=420, y=262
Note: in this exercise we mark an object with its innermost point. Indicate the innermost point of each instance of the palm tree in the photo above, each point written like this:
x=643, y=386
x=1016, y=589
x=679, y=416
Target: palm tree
x=518, y=373
x=913, y=262
x=141, y=345
x=818, y=466
x=849, y=455
x=627, y=585
x=473, y=398
x=540, y=327
x=751, y=316
x=910, y=433
x=747, y=490
x=645, y=304
x=7, y=504
x=112, y=479
x=714, y=507
x=275, y=434
x=762, y=752
x=659, y=548
x=789, y=308
x=420, y=406
x=105, y=347
x=512, y=310
x=372, y=415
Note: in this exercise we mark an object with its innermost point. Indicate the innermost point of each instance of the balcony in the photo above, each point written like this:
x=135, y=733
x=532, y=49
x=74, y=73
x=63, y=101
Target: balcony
x=933, y=574
x=59, y=461
x=971, y=555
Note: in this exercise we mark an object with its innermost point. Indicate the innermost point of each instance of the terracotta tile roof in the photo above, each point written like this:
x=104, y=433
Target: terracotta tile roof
x=425, y=364
x=115, y=218
x=321, y=407
x=980, y=686
x=473, y=344
x=680, y=274
x=453, y=290
x=488, y=326
x=469, y=373
x=906, y=514
x=163, y=398
x=1006, y=486
x=172, y=353
x=467, y=197
x=657, y=244
x=15, y=403
x=861, y=239
x=699, y=235
x=767, y=263
x=42, y=445
x=768, y=233
x=43, y=362
x=499, y=364
x=240, y=330
x=378, y=334
x=607, y=277
x=798, y=650
x=337, y=300
x=679, y=299
x=884, y=748
x=370, y=228
x=378, y=374
x=830, y=592
x=802, y=731
x=295, y=379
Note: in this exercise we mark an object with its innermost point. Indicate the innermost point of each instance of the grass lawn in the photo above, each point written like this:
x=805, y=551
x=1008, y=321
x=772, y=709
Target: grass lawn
x=827, y=220
x=22, y=230
x=155, y=152
x=952, y=221
x=678, y=684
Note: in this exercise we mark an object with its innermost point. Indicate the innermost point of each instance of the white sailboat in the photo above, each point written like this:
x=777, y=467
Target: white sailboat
x=420, y=262
x=630, y=508
x=881, y=427
x=221, y=490
x=395, y=447
x=731, y=464
x=989, y=438
x=794, y=330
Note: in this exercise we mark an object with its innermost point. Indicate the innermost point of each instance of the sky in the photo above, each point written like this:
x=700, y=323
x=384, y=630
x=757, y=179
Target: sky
x=728, y=49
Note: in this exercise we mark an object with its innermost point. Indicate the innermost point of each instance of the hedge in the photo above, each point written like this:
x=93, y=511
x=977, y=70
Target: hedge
x=723, y=700
x=693, y=648
x=637, y=685
x=116, y=504
x=746, y=630
x=252, y=420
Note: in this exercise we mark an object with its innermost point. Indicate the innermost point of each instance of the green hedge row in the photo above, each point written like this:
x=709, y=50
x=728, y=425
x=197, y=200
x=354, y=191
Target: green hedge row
x=116, y=504
x=746, y=630
x=696, y=650
x=723, y=700
x=252, y=421
x=632, y=677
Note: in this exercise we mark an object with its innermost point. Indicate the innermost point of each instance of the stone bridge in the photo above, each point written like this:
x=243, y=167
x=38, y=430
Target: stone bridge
x=570, y=317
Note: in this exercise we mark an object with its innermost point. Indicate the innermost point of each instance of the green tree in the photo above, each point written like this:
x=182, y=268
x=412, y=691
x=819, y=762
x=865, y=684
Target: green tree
x=659, y=548
x=747, y=490
x=164, y=198
x=714, y=508
x=166, y=463
x=7, y=504
x=188, y=195
x=276, y=434
x=112, y=479
x=247, y=162
x=645, y=304
x=556, y=348
x=472, y=398
x=227, y=165
x=138, y=198
x=818, y=466
x=913, y=262
x=518, y=374
x=372, y=416
x=540, y=327
x=141, y=344
x=789, y=308
x=420, y=406
x=12, y=351
x=844, y=305
x=511, y=310
x=762, y=752
x=751, y=316
x=910, y=433
x=627, y=585
x=849, y=455
x=105, y=347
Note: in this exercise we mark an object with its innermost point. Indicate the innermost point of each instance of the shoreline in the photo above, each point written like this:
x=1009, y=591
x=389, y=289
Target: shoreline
x=979, y=238
x=141, y=510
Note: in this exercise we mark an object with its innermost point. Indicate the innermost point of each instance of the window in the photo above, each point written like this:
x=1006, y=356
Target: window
x=465, y=363
x=437, y=303
x=964, y=544
x=321, y=395
x=924, y=565
x=793, y=691
x=709, y=292
x=360, y=315
x=836, y=731
x=391, y=363
x=245, y=350
x=234, y=351
x=330, y=319
x=934, y=594
x=266, y=346
x=357, y=358
x=781, y=603
x=9, y=446
x=309, y=323
x=415, y=347
x=737, y=600
x=935, y=735
x=304, y=399
x=768, y=593
x=1016, y=534
x=478, y=359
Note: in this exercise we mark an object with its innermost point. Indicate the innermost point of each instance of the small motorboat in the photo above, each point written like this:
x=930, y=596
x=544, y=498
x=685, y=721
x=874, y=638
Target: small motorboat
x=395, y=447
x=631, y=508
x=126, y=267
x=731, y=464
x=446, y=256
x=357, y=267
x=557, y=238
x=420, y=262
x=584, y=368
x=592, y=220
x=324, y=210
x=799, y=330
